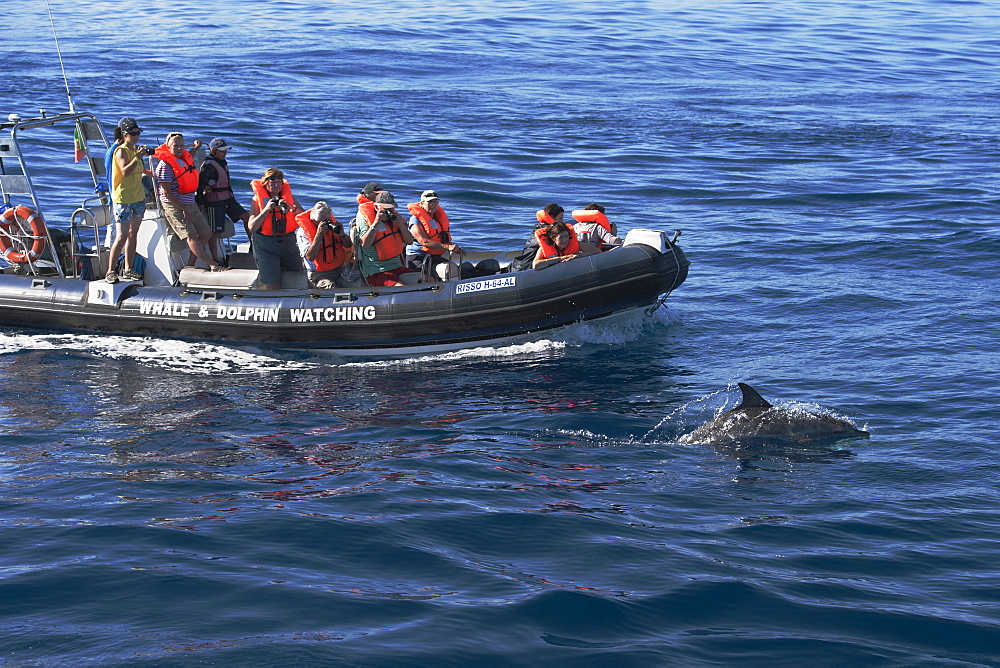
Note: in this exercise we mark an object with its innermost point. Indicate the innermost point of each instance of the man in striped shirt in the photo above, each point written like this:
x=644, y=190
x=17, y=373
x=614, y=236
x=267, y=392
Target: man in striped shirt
x=177, y=179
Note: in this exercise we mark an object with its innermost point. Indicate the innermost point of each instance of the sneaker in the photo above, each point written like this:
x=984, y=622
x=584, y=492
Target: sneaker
x=112, y=277
x=130, y=275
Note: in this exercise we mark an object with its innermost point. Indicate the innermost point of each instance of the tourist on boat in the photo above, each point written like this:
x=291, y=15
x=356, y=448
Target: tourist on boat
x=593, y=227
x=558, y=243
x=432, y=235
x=177, y=179
x=128, y=197
x=323, y=245
x=272, y=227
x=552, y=213
x=215, y=191
x=366, y=200
x=369, y=192
x=383, y=236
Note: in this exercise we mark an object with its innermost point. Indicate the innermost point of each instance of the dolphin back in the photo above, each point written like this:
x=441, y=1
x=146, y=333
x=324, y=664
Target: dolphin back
x=757, y=421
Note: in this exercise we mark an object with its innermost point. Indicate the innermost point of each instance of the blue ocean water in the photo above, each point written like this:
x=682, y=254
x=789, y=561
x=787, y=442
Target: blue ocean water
x=833, y=168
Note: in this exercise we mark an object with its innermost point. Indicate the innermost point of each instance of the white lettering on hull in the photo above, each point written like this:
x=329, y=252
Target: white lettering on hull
x=245, y=314
x=332, y=314
x=261, y=314
x=165, y=308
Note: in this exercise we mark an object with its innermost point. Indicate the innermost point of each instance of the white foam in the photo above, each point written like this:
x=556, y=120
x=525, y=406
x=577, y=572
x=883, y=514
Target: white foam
x=484, y=352
x=711, y=405
x=183, y=356
x=622, y=328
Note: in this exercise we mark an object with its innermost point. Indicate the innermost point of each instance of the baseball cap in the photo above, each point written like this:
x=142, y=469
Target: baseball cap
x=128, y=124
x=370, y=188
x=385, y=197
x=428, y=195
x=218, y=144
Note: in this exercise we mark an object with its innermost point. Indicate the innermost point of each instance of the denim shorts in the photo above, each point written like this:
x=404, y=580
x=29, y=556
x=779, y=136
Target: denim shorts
x=126, y=212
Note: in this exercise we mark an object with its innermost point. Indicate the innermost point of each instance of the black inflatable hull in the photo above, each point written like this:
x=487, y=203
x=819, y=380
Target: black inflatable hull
x=359, y=321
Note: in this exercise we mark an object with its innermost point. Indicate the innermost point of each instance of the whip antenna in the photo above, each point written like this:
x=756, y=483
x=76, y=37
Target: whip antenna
x=69, y=97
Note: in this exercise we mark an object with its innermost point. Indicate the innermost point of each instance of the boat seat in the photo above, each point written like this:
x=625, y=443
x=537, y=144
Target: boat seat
x=241, y=279
x=100, y=214
x=193, y=277
x=652, y=238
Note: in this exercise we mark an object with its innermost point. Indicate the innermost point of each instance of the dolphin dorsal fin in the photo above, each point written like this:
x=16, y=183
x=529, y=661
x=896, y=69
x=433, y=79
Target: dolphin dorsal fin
x=751, y=399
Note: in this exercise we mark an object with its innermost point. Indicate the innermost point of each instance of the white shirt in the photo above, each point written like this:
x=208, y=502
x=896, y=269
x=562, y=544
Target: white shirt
x=594, y=233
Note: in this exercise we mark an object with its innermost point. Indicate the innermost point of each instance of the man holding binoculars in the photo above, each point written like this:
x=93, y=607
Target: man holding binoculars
x=323, y=245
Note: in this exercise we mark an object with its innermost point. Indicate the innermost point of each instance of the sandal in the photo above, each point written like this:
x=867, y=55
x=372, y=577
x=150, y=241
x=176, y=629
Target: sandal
x=218, y=268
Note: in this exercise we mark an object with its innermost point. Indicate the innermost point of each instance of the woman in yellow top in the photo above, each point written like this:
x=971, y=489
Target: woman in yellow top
x=128, y=197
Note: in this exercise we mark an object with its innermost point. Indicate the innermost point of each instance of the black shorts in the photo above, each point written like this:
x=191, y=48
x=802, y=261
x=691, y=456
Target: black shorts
x=216, y=212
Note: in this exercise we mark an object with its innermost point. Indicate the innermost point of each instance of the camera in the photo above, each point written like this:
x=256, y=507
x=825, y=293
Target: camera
x=338, y=228
x=142, y=149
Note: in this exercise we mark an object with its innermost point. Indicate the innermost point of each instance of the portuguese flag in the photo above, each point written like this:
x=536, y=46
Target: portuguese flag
x=80, y=151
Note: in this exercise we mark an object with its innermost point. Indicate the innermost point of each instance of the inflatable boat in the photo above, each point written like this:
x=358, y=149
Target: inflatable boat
x=54, y=280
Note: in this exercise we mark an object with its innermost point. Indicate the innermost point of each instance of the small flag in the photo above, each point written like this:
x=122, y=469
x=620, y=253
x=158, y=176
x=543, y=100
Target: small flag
x=80, y=151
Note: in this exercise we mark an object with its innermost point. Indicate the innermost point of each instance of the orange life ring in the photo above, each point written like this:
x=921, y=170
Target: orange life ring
x=12, y=224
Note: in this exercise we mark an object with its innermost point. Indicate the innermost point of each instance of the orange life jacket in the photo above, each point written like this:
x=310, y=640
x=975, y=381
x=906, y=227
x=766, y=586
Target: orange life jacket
x=389, y=242
x=592, y=216
x=332, y=253
x=435, y=227
x=547, y=249
x=277, y=222
x=185, y=175
x=366, y=207
x=544, y=218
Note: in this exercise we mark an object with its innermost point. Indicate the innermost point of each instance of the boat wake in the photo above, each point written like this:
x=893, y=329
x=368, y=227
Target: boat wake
x=182, y=356
x=207, y=358
x=622, y=328
x=619, y=329
x=468, y=354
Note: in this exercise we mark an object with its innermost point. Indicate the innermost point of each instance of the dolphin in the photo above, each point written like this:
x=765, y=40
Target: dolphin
x=757, y=421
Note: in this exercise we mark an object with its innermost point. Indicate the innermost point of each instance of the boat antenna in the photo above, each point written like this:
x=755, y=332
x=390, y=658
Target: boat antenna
x=69, y=97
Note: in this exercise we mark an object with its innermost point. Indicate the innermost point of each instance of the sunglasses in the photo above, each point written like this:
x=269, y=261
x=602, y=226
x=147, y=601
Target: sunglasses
x=134, y=133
